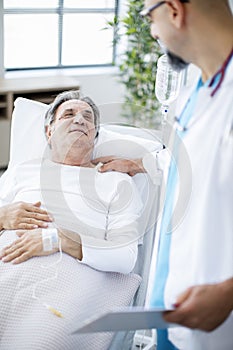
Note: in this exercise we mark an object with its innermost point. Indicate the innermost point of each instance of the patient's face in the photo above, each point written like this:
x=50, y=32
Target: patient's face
x=73, y=127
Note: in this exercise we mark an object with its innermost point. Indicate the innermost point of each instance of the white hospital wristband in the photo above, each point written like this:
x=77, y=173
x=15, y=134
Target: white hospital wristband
x=49, y=239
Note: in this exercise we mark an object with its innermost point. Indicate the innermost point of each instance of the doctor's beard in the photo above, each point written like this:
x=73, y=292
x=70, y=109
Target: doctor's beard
x=176, y=62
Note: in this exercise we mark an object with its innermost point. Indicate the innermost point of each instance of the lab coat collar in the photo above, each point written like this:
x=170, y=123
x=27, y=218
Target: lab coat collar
x=204, y=95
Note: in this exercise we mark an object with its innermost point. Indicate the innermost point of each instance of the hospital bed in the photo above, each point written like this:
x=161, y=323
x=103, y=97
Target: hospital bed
x=28, y=142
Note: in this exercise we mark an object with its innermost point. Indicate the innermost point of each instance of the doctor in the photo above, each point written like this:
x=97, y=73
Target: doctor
x=194, y=269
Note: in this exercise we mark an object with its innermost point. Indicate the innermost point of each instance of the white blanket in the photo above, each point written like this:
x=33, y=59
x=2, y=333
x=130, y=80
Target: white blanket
x=26, y=324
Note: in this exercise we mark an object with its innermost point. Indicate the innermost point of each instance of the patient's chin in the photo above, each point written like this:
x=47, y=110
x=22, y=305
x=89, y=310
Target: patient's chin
x=79, y=150
x=78, y=138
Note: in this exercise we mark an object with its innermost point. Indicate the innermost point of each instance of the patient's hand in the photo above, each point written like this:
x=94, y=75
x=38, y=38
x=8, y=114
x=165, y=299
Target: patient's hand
x=30, y=244
x=129, y=166
x=22, y=215
x=27, y=246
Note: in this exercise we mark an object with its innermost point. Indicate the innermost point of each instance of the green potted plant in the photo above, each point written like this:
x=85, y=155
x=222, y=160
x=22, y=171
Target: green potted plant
x=137, y=66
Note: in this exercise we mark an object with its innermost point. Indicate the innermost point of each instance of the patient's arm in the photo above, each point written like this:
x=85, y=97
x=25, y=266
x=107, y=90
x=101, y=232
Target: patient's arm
x=29, y=244
x=129, y=166
x=118, y=250
x=21, y=215
x=71, y=243
x=105, y=255
x=111, y=257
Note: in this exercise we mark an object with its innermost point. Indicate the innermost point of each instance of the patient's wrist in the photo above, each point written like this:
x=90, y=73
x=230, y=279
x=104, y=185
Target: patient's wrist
x=135, y=166
x=50, y=240
x=71, y=243
x=140, y=166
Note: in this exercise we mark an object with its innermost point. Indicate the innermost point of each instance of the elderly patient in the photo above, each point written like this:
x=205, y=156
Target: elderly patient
x=67, y=206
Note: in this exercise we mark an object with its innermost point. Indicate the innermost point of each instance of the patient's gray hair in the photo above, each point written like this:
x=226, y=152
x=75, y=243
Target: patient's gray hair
x=71, y=95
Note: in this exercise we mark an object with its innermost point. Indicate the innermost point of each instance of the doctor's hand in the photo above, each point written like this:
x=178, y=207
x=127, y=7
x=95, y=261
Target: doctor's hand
x=21, y=215
x=203, y=307
x=111, y=163
x=28, y=245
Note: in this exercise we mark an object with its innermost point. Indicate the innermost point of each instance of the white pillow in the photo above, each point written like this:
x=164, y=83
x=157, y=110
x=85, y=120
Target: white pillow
x=120, y=141
x=28, y=139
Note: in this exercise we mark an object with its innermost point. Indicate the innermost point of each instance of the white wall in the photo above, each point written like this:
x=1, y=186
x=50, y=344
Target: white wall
x=107, y=92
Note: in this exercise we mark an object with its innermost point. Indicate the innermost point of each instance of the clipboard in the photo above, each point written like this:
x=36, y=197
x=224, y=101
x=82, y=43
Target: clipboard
x=123, y=319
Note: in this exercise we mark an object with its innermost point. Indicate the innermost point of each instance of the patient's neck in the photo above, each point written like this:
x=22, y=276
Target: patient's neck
x=73, y=157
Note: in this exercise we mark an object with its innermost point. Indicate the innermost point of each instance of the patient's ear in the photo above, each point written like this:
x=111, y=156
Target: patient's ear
x=48, y=132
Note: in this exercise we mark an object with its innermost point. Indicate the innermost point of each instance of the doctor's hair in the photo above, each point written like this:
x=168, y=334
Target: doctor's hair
x=71, y=95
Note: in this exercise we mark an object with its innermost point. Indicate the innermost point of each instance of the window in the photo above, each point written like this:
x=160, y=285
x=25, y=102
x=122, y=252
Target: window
x=57, y=33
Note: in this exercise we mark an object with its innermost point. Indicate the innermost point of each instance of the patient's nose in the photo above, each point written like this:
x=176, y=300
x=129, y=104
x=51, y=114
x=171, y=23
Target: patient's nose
x=78, y=118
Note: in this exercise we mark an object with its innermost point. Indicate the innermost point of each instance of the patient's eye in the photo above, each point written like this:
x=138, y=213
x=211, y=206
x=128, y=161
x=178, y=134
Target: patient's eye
x=66, y=115
x=88, y=115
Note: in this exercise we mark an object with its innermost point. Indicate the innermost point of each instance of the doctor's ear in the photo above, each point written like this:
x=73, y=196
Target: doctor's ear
x=177, y=12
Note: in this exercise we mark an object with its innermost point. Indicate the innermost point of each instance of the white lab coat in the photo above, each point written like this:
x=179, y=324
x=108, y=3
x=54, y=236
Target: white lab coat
x=202, y=241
